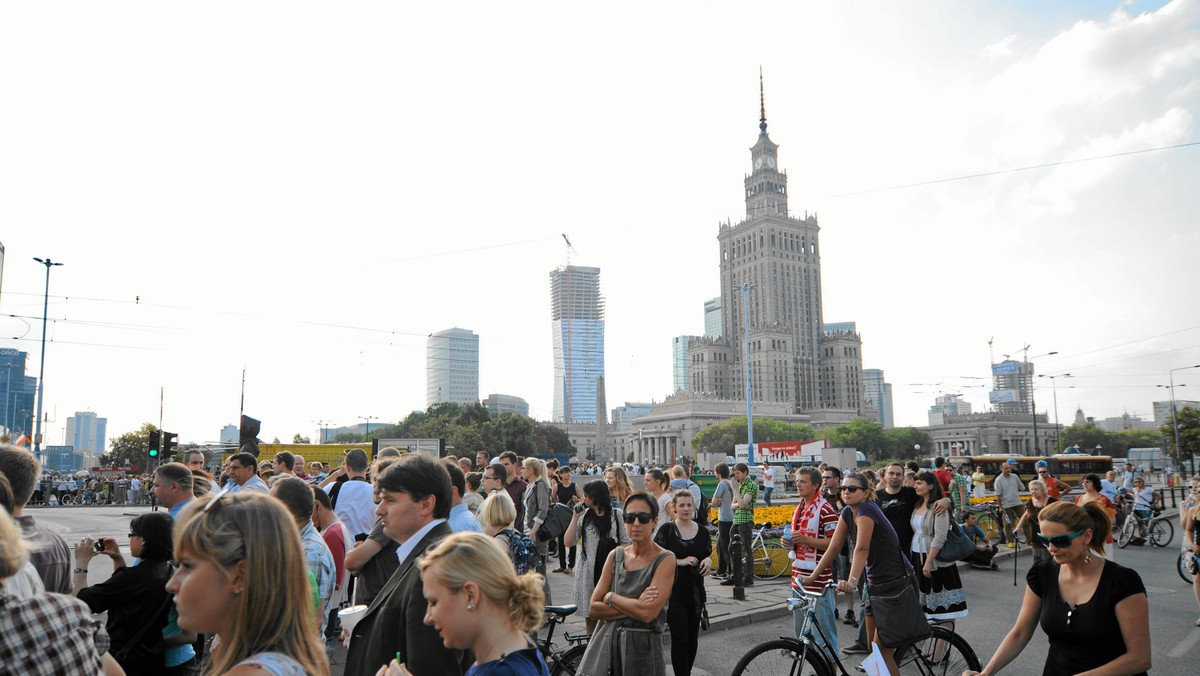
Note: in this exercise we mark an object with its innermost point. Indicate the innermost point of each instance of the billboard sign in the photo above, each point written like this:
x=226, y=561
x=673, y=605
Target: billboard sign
x=1006, y=368
x=1003, y=396
x=782, y=451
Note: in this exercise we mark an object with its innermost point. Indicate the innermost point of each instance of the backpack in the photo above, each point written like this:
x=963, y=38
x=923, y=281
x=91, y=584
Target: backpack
x=523, y=552
x=702, y=509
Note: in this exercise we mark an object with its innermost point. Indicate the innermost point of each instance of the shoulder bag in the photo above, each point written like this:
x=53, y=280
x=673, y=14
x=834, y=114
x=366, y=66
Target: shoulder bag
x=899, y=618
x=957, y=547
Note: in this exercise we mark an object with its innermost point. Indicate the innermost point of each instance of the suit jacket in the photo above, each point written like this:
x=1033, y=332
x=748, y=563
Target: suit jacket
x=395, y=621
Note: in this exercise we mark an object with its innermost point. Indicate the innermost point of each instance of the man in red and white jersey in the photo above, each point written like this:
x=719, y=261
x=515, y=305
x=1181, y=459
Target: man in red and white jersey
x=813, y=524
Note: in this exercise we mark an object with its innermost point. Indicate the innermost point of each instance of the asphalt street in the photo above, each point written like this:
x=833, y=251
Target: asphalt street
x=992, y=599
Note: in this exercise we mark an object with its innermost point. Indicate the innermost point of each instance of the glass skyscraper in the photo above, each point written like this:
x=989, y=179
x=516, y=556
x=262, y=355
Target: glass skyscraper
x=577, y=315
x=452, y=367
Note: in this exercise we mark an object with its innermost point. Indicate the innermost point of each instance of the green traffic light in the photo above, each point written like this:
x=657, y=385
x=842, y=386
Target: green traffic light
x=154, y=453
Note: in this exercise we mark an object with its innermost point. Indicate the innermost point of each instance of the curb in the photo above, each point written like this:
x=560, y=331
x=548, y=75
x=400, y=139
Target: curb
x=754, y=616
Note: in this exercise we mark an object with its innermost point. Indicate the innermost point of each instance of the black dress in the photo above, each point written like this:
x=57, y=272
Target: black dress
x=687, y=593
x=1090, y=636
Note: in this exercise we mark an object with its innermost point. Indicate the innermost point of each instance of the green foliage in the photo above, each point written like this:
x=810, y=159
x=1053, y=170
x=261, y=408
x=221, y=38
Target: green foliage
x=1087, y=436
x=297, y=439
x=130, y=448
x=722, y=437
x=1189, y=433
x=860, y=434
x=470, y=428
x=904, y=440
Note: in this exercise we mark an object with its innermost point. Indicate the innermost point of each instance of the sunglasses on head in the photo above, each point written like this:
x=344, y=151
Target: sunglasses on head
x=641, y=517
x=1059, y=541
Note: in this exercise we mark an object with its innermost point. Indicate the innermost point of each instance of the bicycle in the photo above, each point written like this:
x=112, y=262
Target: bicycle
x=766, y=567
x=1158, y=530
x=1182, y=567
x=991, y=519
x=564, y=662
x=944, y=653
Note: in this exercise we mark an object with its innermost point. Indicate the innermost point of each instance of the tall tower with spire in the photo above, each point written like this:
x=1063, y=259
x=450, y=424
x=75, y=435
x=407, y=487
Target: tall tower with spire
x=778, y=254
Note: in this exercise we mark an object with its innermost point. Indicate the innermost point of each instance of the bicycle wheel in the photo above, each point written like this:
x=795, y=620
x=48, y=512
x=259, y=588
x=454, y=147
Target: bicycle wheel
x=1161, y=532
x=568, y=662
x=944, y=653
x=766, y=566
x=1125, y=535
x=990, y=526
x=1181, y=567
x=779, y=657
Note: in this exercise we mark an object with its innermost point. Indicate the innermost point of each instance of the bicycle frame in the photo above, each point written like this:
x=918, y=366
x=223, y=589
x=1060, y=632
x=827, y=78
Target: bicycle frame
x=808, y=606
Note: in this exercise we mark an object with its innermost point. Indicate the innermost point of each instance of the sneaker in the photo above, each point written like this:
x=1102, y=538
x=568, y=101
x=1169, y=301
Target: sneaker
x=728, y=583
x=995, y=566
x=856, y=649
x=748, y=583
x=850, y=618
x=559, y=570
x=1011, y=545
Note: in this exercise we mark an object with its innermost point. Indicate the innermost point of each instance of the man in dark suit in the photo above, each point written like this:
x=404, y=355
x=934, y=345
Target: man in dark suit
x=414, y=504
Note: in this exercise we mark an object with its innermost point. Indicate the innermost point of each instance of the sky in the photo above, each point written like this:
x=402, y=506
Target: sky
x=304, y=191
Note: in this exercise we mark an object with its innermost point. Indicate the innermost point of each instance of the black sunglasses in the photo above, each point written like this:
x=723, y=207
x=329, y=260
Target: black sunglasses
x=851, y=489
x=1059, y=541
x=641, y=517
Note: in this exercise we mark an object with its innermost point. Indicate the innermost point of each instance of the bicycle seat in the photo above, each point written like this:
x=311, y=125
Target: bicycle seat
x=764, y=524
x=561, y=611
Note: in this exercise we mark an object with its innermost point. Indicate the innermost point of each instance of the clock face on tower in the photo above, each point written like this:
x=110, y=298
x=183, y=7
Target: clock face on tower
x=771, y=162
x=758, y=162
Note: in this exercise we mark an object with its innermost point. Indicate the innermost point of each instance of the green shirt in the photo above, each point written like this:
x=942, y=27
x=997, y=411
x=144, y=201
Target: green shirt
x=955, y=498
x=746, y=514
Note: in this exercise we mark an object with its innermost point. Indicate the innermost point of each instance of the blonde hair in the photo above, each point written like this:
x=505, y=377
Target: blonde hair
x=683, y=493
x=1037, y=483
x=498, y=510
x=538, y=467
x=1076, y=518
x=624, y=488
x=274, y=613
x=13, y=550
x=475, y=557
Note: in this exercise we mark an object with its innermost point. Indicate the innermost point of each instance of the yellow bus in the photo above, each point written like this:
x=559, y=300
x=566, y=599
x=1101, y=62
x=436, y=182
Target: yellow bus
x=1069, y=467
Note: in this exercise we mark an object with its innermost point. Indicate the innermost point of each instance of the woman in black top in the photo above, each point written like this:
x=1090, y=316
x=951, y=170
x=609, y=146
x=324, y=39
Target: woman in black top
x=692, y=546
x=1093, y=611
x=135, y=597
x=564, y=493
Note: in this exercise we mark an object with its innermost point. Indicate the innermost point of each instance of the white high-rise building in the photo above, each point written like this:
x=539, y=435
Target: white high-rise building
x=86, y=432
x=452, y=367
x=712, y=317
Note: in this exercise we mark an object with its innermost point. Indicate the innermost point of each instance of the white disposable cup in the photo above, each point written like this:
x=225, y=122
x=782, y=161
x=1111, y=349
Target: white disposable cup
x=350, y=616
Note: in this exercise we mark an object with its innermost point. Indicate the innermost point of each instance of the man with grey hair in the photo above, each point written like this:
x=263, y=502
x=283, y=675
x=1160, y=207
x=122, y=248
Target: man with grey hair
x=173, y=487
x=53, y=559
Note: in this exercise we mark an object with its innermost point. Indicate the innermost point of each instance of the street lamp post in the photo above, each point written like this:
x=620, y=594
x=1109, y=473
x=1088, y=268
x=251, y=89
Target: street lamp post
x=1054, y=387
x=1175, y=414
x=749, y=387
x=368, y=418
x=37, y=425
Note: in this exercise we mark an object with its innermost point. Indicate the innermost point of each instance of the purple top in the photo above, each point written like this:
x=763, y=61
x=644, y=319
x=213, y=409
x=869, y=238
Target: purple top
x=884, y=560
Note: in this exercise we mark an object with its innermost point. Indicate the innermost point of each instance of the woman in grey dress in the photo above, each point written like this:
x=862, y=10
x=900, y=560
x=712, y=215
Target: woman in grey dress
x=593, y=520
x=630, y=600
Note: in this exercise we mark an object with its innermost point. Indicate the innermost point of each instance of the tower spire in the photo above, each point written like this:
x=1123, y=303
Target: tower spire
x=762, y=104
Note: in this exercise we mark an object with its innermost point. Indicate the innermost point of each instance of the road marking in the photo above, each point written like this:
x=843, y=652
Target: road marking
x=1185, y=646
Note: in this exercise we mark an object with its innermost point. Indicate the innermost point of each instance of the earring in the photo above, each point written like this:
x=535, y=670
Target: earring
x=470, y=606
x=237, y=591
x=1087, y=558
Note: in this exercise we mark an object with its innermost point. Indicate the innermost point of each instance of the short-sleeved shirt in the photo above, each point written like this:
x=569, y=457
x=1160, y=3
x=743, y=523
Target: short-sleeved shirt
x=1093, y=637
x=956, y=482
x=898, y=509
x=945, y=478
x=319, y=561
x=355, y=505
x=1008, y=490
x=884, y=560
x=725, y=492
x=816, y=519
x=746, y=514
x=50, y=634
x=769, y=477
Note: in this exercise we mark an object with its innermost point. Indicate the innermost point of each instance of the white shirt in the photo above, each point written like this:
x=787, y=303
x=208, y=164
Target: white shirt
x=769, y=478
x=355, y=505
x=252, y=484
x=410, y=544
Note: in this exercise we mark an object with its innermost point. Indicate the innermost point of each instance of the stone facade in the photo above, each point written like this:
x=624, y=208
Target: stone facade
x=991, y=434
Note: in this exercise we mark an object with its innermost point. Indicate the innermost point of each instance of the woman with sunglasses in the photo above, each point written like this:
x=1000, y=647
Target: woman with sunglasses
x=134, y=597
x=242, y=576
x=593, y=523
x=1093, y=611
x=1038, y=499
x=876, y=551
x=630, y=600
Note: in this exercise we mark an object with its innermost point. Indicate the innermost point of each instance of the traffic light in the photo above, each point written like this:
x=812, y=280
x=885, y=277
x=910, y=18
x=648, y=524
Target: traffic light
x=248, y=436
x=169, y=442
x=152, y=444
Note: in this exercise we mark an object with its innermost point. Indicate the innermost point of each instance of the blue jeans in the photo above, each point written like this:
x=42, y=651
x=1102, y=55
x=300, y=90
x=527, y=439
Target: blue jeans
x=767, y=495
x=825, y=618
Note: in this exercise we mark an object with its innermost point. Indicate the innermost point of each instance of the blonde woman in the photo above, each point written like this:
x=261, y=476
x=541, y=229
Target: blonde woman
x=477, y=602
x=242, y=577
x=1038, y=499
x=618, y=484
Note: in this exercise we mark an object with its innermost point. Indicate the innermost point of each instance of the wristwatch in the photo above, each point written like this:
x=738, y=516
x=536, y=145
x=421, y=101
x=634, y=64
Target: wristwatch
x=81, y=570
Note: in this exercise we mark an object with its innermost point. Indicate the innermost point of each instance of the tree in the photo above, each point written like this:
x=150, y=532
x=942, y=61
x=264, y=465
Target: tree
x=860, y=434
x=297, y=439
x=904, y=440
x=1189, y=434
x=1087, y=436
x=130, y=448
x=722, y=437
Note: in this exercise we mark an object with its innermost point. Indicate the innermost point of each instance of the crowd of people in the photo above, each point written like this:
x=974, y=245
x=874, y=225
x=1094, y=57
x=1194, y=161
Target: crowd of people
x=425, y=566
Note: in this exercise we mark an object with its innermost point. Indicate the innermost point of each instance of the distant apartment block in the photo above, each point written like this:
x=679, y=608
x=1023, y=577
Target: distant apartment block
x=712, y=317
x=452, y=367
x=86, y=432
x=879, y=395
x=1162, y=409
x=506, y=403
x=680, y=364
x=577, y=316
x=947, y=405
x=623, y=416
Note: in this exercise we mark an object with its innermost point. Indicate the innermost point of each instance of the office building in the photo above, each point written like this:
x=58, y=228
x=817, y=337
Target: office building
x=623, y=416
x=86, y=432
x=577, y=316
x=1126, y=421
x=1162, y=409
x=19, y=391
x=680, y=366
x=452, y=367
x=712, y=317
x=770, y=273
x=947, y=405
x=879, y=396
x=506, y=403
x=230, y=436
x=1012, y=387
